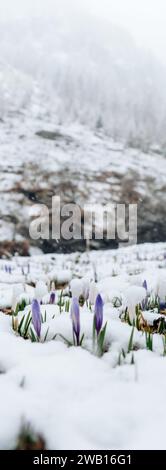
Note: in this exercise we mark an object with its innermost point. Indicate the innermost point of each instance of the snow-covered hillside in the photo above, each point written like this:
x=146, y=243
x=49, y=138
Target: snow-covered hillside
x=80, y=107
x=40, y=160
x=78, y=99
x=87, y=70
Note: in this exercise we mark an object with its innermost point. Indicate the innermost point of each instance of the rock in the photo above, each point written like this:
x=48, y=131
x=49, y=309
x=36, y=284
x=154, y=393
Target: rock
x=50, y=135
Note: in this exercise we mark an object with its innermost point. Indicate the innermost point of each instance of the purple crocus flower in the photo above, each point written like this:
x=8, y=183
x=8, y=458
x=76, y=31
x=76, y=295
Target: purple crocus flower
x=144, y=304
x=36, y=317
x=162, y=305
x=98, y=318
x=52, y=298
x=145, y=285
x=75, y=316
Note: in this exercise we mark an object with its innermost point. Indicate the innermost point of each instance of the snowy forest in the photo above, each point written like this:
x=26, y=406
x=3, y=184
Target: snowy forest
x=86, y=71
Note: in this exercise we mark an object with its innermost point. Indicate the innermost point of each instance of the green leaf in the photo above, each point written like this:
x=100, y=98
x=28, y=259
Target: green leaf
x=132, y=359
x=46, y=334
x=128, y=319
x=164, y=345
x=33, y=337
x=123, y=353
x=54, y=337
x=64, y=339
x=130, y=345
x=67, y=306
x=16, y=310
x=119, y=359
x=22, y=305
x=149, y=341
x=94, y=332
x=100, y=340
x=27, y=323
x=60, y=303
x=20, y=325
x=13, y=322
x=81, y=340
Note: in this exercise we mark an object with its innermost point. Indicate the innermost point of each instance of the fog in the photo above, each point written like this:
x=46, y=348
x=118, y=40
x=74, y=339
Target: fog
x=88, y=63
x=145, y=19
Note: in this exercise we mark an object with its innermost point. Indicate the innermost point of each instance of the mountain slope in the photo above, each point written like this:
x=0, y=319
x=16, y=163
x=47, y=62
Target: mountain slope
x=81, y=167
x=82, y=114
x=88, y=71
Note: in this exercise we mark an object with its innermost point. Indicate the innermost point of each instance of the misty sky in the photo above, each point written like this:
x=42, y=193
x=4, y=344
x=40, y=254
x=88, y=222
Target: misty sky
x=145, y=19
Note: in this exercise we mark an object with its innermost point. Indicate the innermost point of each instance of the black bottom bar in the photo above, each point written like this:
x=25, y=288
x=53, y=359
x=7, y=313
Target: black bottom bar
x=71, y=459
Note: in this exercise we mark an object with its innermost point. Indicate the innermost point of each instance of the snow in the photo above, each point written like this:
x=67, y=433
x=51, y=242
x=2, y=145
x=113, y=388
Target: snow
x=71, y=397
x=40, y=290
x=121, y=79
x=95, y=170
x=134, y=296
x=49, y=92
x=84, y=136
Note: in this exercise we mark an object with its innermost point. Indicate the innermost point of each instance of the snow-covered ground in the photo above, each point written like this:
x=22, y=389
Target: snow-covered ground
x=69, y=395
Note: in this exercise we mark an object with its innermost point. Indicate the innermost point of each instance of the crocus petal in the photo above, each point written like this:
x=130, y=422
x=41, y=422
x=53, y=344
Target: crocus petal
x=162, y=305
x=76, y=287
x=98, y=313
x=40, y=290
x=52, y=298
x=85, y=289
x=36, y=317
x=75, y=316
x=93, y=292
x=145, y=285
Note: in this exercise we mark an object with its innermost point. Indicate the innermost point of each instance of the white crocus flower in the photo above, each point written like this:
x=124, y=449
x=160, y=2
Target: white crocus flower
x=93, y=292
x=40, y=290
x=161, y=288
x=134, y=296
x=76, y=286
x=17, y=291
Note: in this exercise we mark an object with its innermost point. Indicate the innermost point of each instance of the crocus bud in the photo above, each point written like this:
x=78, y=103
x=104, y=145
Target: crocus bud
x=52, y=298
x=85, y=289
x=145, y=285
x=134, y=296
x=40, y=290
x=93, y=292
x=76, y=287
x=17, y=291
x=161, y=288
x=36, y=317
x=162, y=306
x=98, y=318
x=75, y=316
